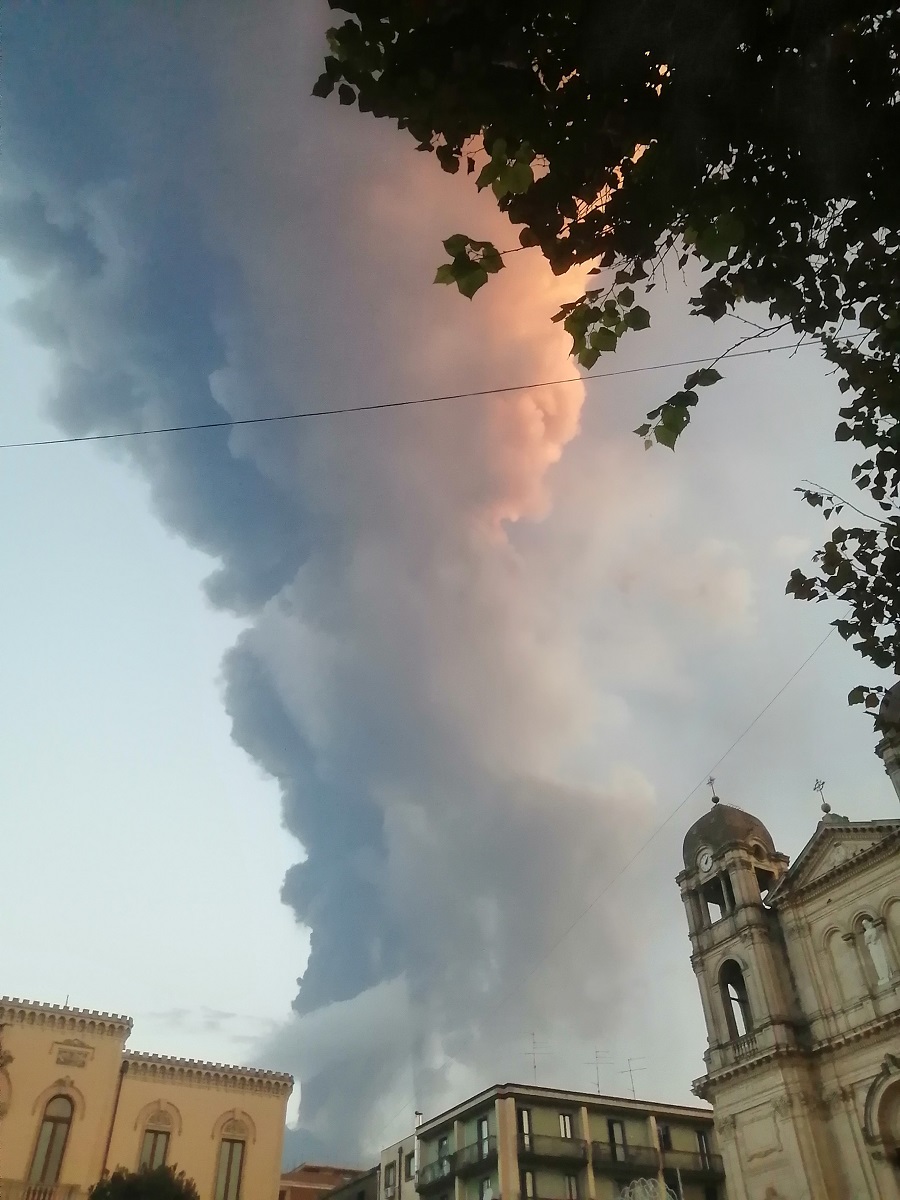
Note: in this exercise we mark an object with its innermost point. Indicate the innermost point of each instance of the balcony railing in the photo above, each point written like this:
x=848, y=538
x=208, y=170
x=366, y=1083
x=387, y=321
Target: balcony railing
x=539, y=1145
x=18, y=1189
x=688, y=1162
x=609, y=1156
x=745, y=1047
x=432, y=1175
x=478, y=1154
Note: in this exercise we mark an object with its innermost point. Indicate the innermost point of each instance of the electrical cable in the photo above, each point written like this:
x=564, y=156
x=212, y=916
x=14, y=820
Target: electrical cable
x=641, y=848
x=232, y=423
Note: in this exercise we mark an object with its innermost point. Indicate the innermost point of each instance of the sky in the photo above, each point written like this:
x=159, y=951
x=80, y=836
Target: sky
x=363, y=747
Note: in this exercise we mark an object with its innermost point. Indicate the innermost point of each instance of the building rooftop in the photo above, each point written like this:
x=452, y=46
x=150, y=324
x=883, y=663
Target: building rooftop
x=566, y=1095
x=720, y=826
x=63, y=1010
x=140, y=1058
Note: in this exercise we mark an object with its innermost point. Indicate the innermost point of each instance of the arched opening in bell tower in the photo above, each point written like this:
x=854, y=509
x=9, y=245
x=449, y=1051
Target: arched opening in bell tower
x=735, y=1001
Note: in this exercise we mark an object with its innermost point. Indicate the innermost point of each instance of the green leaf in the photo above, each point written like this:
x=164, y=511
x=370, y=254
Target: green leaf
x=702, y=378
x=491, y=259
x=489, y=172
x=637, y=318
x=625, y=297
x=857, y=695
x=870, y=317
x=445, y=274
x=666, y=436
x=519, y=178
x=730, y=228
x=712, y=245
x=603, y=340
x=346, y=94
x=642, y=430
x=470, y=281
x=675, y=417
x=457, y=244
x=516, y=177
x=323, y=86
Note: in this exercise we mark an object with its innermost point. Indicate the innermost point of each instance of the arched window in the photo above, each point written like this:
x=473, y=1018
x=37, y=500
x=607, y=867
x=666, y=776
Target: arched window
x=230, y=1166
x=735, y=1000
x=155, y=1143
x=51, y=1143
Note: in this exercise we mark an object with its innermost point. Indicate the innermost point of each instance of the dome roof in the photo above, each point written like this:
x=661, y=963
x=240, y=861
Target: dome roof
x=719, y=827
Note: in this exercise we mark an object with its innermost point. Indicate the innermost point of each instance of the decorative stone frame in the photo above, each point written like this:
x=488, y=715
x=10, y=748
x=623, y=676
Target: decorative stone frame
x=144, y=1119
x=67, y=1089
x=238, y=1116
x=62, y=1087
x=885, y=1083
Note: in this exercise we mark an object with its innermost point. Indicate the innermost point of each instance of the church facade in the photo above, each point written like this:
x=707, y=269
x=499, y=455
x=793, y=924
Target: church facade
x=798, y=966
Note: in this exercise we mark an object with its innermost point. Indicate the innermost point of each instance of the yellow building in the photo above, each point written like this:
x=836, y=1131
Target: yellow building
x=535, y=1143
x=799, y=973
x=75, y=1104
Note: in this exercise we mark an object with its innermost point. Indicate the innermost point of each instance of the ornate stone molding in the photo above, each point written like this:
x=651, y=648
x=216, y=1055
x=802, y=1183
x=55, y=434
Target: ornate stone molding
x=14, y=1011
x=206, y=1074
x=823, y=883
x=888, y=1076
x=727, y=1126
x=73, y=1052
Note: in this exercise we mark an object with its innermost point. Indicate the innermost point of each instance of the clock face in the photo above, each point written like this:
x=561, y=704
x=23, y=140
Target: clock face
x=704, y=860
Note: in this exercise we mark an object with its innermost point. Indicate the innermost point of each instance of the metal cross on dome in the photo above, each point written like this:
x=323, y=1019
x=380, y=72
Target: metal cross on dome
x=819, y=786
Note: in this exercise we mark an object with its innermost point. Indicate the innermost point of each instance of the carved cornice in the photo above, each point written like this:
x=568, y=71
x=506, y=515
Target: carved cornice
x=795, y=891
x=818, y=1050
x=205, y=1074
x=861, y=1033
x=14, y=1011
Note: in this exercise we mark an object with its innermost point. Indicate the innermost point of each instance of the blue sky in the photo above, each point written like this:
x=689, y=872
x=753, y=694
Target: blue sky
x=431, y=676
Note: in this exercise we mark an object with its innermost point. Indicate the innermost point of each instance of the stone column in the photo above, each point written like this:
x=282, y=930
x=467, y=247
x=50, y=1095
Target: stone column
x=590, y=1189
x=507, y=1148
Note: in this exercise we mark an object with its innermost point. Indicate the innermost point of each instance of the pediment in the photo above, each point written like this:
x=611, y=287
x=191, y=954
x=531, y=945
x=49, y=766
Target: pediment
x=837, y=850
x=834, y=845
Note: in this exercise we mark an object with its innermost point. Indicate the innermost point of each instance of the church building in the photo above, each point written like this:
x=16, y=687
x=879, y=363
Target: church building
x=798, y=966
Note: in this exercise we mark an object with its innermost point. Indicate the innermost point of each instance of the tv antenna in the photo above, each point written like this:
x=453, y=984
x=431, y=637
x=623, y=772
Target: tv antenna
x=630, y=1072
x=534, y=1054
x=600, y=1059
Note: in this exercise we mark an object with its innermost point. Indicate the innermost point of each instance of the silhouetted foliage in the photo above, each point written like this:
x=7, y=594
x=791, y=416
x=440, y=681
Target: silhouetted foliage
x=757, y=138
x=147, y=1183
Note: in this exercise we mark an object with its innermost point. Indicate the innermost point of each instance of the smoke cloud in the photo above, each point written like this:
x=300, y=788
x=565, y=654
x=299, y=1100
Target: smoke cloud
x=427, y=670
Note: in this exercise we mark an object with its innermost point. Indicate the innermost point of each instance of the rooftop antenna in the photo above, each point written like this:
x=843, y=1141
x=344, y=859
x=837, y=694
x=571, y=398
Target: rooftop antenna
x=631, y=1070
x=533, y=1055
x=819, y=786
x=711, y=782
x=597, y=1063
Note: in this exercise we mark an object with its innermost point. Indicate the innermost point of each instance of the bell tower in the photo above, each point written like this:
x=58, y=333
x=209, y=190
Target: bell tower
x=741, y=964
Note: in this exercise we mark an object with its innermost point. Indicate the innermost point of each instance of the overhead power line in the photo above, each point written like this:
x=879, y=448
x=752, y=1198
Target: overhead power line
x=518, y=983
x=232, y=423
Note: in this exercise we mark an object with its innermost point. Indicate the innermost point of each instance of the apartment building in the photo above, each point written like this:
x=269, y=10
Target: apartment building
x=398, y=1170
x=533, y=1143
